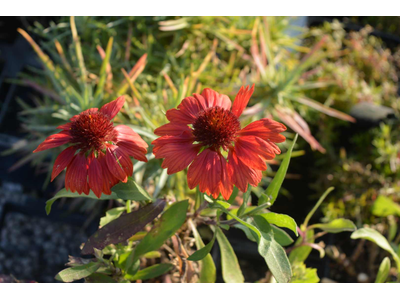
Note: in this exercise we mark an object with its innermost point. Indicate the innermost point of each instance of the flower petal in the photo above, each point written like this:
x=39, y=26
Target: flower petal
x=265, y=129
x=126, y=134
x=124, y=160
x=242, y=175
x=248, y=154
x=62, y=161
x=108, y=179
x=54, y=140
x=111, y=109
x=187, y=110
x=225, y=185
x=76, y=176
x=215, y=99
x=66, y=126
x=172, y=129
x=95, y=174
x=241, y=100
x=177, y=156
x=205, y=171
x=113, y=164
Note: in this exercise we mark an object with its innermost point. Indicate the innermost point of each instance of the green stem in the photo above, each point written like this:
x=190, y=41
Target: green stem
x=310, y=214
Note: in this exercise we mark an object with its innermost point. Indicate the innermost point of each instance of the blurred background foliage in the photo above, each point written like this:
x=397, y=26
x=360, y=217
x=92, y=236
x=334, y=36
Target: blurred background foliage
x=336, y=87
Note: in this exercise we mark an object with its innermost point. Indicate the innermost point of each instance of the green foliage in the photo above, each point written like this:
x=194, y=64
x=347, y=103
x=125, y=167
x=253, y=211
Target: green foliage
x=384, y=270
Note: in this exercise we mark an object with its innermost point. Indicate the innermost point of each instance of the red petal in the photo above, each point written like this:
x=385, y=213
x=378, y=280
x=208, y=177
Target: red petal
x=124, y=160
x=126, y=134
x=187, y=110
x=95, y=174
x=66, y=126
x=177, y=156
x=62, y=161
x=241, y=100
x=113, y=165
x=185, y=137
x=172, y=129
x=265, y=129
x=54, y=140
x=111, y=109
x=134, y=151
x=108, y=179
x=76, y=177
x=242, y=175
x=215, y=99
x=225, y=185
x=248, y=154
x=205, y=171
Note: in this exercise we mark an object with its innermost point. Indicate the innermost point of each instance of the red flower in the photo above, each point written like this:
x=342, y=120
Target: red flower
x=220, y=153
x=99, y=155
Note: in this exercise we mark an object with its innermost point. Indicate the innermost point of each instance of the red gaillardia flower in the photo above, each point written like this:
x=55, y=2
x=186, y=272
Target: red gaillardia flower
x=99, y=155
x=205, y=133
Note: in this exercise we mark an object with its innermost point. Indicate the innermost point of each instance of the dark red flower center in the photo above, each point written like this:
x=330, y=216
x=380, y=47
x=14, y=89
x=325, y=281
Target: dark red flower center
x=216, y=127
x=91, y=130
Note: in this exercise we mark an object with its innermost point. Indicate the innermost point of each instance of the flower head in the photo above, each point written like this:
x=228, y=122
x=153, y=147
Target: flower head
x=99, y=155
x=205, y=134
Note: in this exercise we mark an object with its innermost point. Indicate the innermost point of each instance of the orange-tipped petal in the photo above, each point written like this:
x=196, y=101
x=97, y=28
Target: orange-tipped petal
x=111, y=109
x=62, y=161
x=95, y=175
x=241, y=100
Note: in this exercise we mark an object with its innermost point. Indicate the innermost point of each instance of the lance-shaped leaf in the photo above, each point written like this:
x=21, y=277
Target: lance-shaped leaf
x=384, y=270
x=151, y=272
x=207, y=266
x=124, y=227
x=336, y=226
x=171, y=220
x=231, y=271
x=272, y=191
x=131, y=191
x=374, y=236
x=273, y=253
x=79, y=272
x=201, y=253
x=281, y=220
x=384, y=206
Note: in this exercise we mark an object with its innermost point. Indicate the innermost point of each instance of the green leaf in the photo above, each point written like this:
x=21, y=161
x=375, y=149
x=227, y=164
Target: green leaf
x=201, y=253
x=103, y=73
x=131, y=191
x=63, y=193
x=281, y=236
x=99, y=278
x=335, y=226
x=273, y=253
x=281, y=220
x=302, y=274
x=231, y=272
x=79, y=272
x=300, y=253
x=272, y=191
x=124, y=227
x=171, y=220
x=374, y=236
x=384, y=206
x=207, y=266
x=384, y=270
x=111, y=215
x=151, y=272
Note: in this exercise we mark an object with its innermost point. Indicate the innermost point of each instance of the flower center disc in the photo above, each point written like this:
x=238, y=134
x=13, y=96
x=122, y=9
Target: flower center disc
x=216, y=127
x=91, y=130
